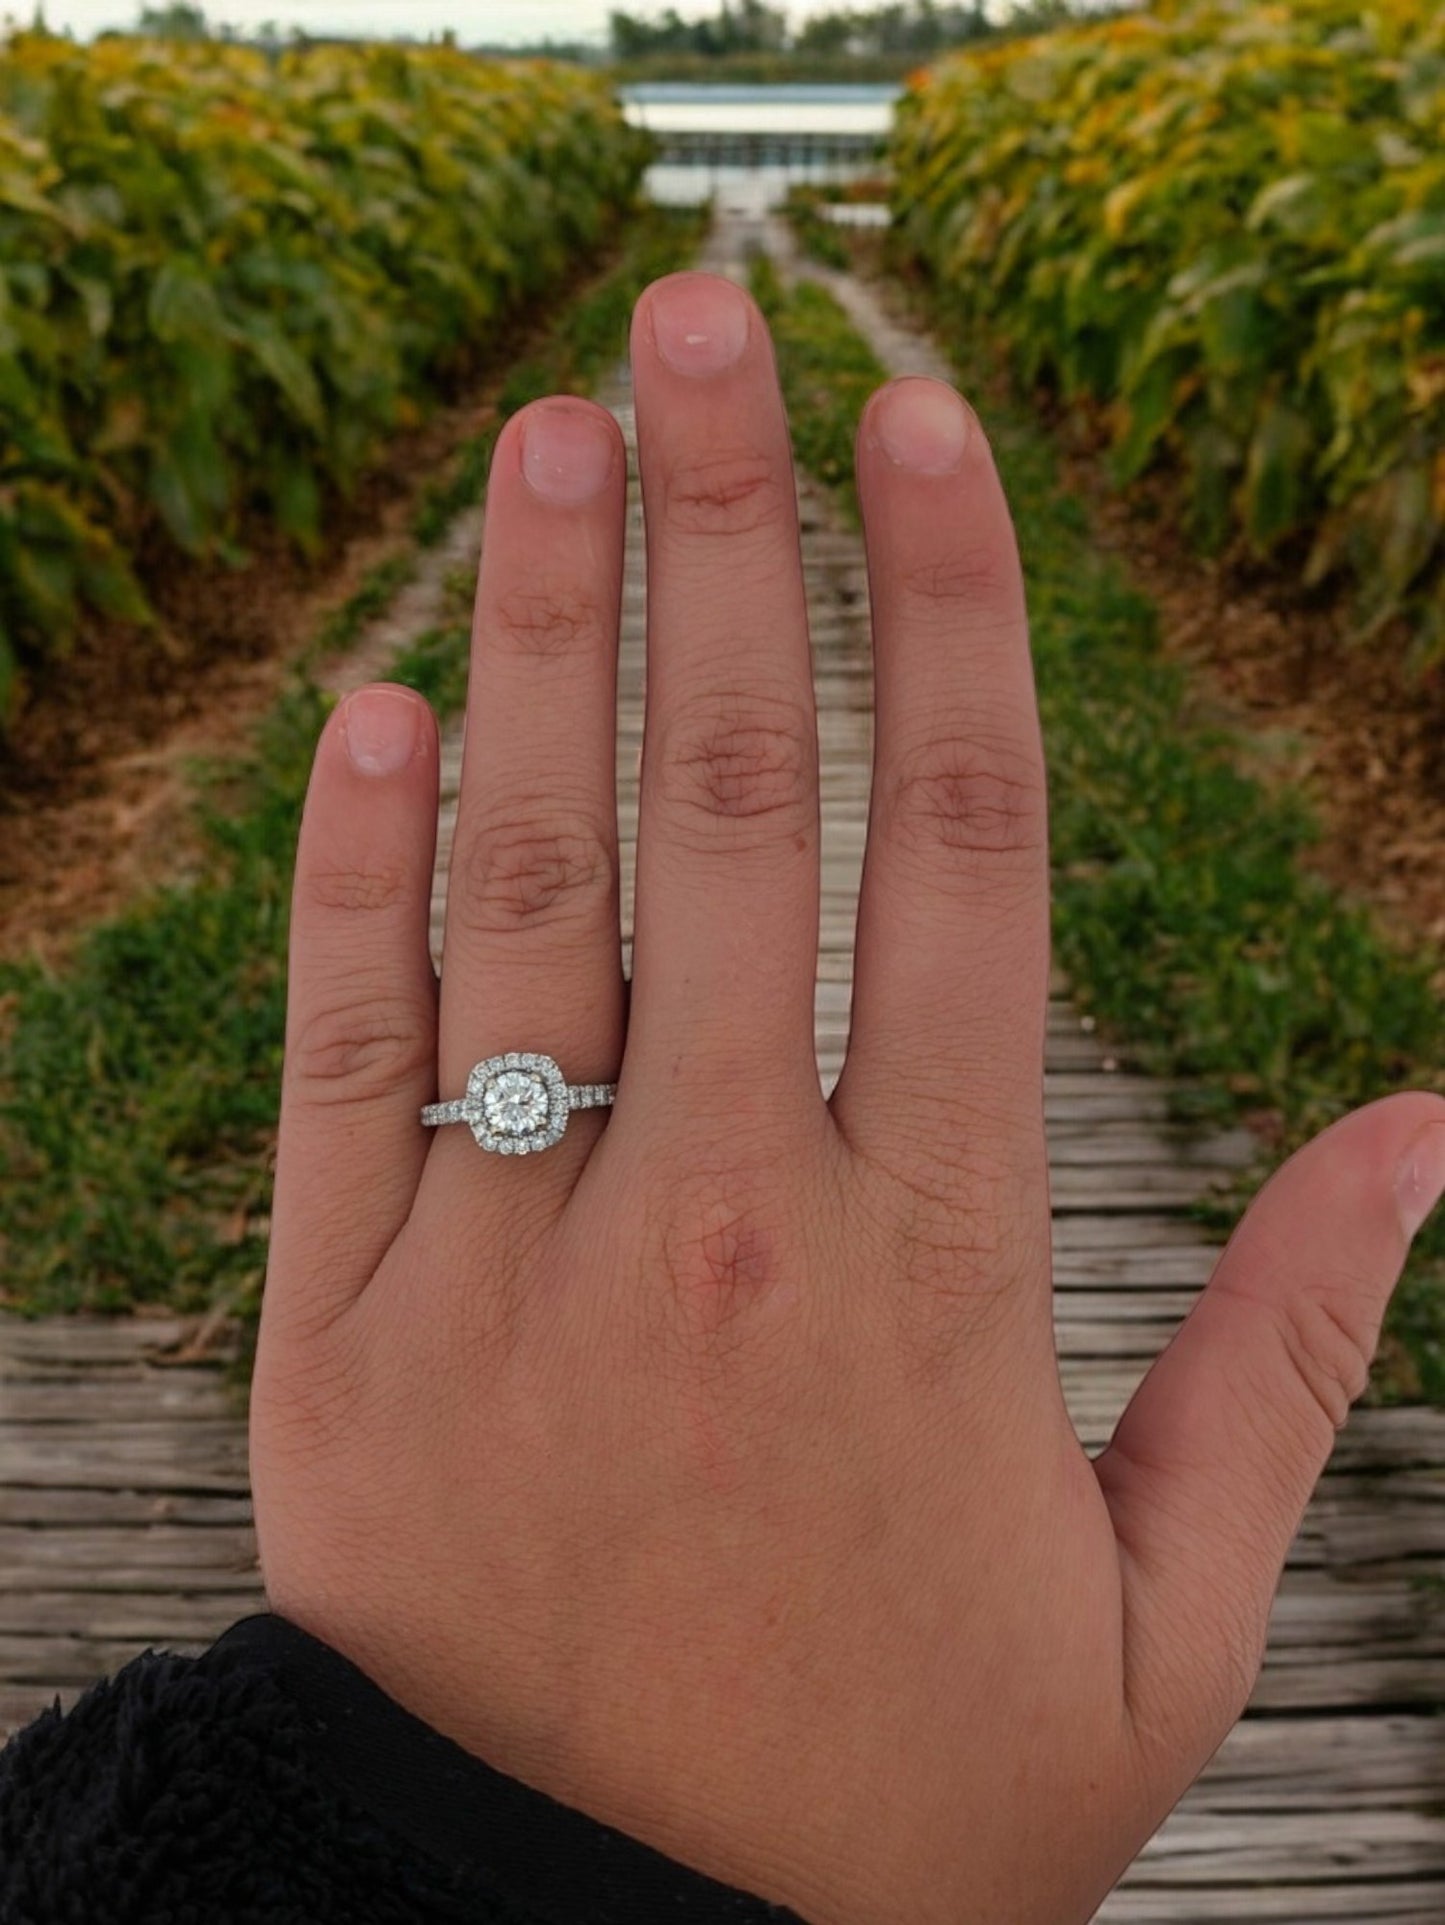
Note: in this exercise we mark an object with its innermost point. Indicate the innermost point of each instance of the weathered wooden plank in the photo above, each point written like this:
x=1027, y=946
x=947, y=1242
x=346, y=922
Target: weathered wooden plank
x=116, y=1550
x=1327, y=1763
x=86, y=1505
x=198, y=1431
x=1317, y=1616
x=21, y=1704
x=1295, y=1847
x=40, y=1570
x=136, y=1617
x=196, y=1456
x=1086, y=1339
x=1120, y=1086
x=54, y=1660
x=1356, y=1684
x=151, y=1397
x=1121, y=1150
x=1140, y=1900
x=1085, y=1304
x=1102, y=1190
x=1071, y=1110
x=25, y=1588
x=98, y=1340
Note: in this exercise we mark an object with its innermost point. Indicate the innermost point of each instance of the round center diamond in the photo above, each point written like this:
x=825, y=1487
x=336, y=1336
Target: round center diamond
x=516, y=1103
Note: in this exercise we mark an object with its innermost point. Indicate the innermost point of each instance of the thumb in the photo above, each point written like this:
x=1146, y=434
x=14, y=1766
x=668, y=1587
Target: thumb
x=1213, y=1462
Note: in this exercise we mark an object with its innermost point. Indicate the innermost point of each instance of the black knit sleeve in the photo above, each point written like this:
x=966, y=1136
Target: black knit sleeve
x=271, y=1782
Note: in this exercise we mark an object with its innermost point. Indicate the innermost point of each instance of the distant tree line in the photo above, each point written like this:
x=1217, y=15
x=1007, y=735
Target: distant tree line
x=914, y=28
x=175, y=23
x=184, y=20
x=743, y=40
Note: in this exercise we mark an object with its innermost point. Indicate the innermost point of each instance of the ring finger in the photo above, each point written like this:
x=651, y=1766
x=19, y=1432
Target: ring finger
x=532, y=959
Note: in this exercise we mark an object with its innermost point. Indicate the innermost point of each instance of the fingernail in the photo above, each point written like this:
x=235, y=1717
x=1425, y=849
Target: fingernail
x=566, y=453
x=922, y=424
x=1420, y=1182
x=380, y=727
x=700, y=324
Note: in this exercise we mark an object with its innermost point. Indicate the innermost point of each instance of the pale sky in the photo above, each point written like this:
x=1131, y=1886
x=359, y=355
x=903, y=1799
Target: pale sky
x=472, y=19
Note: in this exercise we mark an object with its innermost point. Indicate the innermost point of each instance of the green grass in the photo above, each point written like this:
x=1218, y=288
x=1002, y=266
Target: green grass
x=820, y=238
x=378, y=589
x=139, y=1083
x=1182, y=913
x=435, y=663
x=829, y=371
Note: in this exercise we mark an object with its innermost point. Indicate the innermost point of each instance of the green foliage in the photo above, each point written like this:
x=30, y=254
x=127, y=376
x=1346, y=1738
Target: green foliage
x=435, y=665
x=177, y=22
x=139, y=1083
x=1182, y=914
x=820, y=238
x=1225, y=222
x=375, y=594
x=750, y=27
x=226, y=281
x=830, y=369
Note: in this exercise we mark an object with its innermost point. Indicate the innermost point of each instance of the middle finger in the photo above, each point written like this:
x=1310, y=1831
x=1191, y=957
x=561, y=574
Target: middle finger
x=726, y=922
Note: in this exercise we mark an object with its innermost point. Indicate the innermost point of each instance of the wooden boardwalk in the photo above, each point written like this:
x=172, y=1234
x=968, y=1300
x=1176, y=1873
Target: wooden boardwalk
x=125, y=1519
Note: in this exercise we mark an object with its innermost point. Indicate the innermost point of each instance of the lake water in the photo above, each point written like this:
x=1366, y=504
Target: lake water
x=685, y=107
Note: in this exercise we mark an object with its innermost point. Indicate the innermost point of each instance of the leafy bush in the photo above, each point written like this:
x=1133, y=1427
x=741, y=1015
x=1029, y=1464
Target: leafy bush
x=1183, y=915
x=139, y=1078
x=1226, y=222
x=226, y=278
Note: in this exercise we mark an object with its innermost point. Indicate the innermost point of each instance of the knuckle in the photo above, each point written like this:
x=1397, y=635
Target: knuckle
x=752, y=769
x=953, y=1228
x=724, y=1246
x=977, y=802
x=717, y=1257
x=965, y=588
x=956, y=1250
x=549, y=619
x=366, y=1046
x=346, y=889
x=522, y=871
x=727, y=491
x=1328, y=1354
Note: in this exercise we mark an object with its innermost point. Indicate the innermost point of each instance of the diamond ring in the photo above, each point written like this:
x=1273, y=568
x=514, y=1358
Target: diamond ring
x=518, y=1103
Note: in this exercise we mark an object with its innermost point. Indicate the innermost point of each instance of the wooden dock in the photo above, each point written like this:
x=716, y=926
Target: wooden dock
x=125, y=1516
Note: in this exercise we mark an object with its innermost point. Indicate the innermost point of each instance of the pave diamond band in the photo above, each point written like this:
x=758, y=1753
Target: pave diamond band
x=580, y=1096
x=519, y=1102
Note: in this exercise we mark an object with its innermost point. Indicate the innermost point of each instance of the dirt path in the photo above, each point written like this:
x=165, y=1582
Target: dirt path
x=124, y=1516
x=127, y=823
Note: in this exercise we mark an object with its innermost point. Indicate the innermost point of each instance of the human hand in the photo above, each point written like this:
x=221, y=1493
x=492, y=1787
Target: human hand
x=710, y=1471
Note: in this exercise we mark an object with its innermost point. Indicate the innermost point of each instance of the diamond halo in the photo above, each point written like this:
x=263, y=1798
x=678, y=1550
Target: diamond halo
x=517, y=1103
